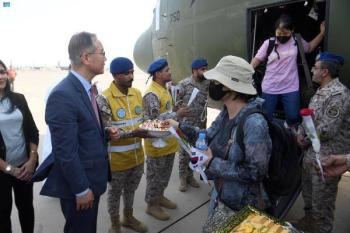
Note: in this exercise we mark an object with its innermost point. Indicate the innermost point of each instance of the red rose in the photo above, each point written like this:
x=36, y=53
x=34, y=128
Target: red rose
x=306, y=112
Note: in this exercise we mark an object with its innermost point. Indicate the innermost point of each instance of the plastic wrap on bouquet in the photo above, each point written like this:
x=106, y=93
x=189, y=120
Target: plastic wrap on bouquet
x=181, y=139
x=197, y=161
x=197, y=158
x=174, y=91
x=194, y=93
x=311, y=132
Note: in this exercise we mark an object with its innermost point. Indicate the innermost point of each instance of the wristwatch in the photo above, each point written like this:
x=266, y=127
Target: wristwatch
x=8, y=168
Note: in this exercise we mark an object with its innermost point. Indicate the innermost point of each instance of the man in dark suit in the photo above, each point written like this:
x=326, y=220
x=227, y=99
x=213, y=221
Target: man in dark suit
x=79, y=144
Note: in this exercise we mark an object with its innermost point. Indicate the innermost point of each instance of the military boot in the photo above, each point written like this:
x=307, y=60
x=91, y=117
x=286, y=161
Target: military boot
x=306, y=223
x=156, y=211
x=192, y=181
x=183, y=184
x=165, y=202
x=115, y=224
x=131, y=222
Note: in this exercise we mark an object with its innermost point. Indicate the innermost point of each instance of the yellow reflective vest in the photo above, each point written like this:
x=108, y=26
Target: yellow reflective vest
x=127, y=114
x=166, y=104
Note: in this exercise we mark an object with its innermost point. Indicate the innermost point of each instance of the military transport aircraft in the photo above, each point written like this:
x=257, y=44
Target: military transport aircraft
x=186, y=29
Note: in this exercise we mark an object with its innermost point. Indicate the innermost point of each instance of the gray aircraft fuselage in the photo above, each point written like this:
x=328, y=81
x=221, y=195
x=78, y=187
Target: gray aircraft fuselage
x=183, y=30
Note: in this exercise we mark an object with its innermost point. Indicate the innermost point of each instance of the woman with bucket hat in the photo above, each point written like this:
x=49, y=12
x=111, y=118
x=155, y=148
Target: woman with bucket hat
x=237, y=176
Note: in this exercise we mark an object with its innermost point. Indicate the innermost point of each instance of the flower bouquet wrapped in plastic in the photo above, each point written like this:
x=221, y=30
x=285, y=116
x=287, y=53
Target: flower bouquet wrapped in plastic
x=197, y=158
x=311, y=132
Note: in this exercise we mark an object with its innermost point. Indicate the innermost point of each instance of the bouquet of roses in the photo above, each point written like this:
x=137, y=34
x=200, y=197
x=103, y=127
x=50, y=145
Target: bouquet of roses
x=311, y=132
x=197, y=158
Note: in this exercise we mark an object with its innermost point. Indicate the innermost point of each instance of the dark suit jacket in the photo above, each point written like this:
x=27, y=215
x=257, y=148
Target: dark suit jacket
x=79, y=146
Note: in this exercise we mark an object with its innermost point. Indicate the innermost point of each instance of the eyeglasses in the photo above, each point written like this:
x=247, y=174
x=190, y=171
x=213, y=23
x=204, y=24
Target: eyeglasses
x=3, y=71
x=101, y=53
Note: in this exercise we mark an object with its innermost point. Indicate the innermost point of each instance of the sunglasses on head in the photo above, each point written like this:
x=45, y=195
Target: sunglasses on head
x=2, y=71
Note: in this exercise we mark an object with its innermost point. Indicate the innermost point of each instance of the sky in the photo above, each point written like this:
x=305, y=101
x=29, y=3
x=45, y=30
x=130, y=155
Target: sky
x=37, y=32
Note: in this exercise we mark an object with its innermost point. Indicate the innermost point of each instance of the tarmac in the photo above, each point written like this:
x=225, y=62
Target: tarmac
x=192, y=205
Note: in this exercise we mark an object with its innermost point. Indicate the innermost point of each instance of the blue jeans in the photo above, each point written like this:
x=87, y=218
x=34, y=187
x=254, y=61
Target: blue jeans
x=213, y=202
x=290, y=102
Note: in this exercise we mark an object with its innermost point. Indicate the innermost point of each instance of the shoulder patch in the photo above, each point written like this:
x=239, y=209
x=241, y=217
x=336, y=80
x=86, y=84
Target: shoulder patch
x=332, y=111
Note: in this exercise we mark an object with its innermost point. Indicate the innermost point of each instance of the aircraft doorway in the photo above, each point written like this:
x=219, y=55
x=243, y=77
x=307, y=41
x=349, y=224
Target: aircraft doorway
x=307, y=16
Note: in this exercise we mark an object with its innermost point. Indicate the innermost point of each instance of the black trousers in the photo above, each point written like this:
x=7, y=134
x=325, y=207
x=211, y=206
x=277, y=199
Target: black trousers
x=23, y=193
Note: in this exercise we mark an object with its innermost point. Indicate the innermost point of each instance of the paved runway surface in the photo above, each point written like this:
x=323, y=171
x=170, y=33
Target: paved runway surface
x=192, y=205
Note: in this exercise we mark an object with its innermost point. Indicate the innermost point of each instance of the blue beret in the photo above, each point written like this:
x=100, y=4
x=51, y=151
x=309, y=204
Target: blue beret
x=198, y=63
x=120, y=65
x=157, y=65
x=330, y=57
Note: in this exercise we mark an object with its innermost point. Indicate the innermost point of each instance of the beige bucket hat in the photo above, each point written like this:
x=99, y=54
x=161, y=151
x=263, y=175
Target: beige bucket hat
x=234, y=73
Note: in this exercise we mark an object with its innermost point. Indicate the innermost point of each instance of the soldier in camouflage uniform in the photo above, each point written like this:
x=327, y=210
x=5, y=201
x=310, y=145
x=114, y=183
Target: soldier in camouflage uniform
x=331, y=105
x=121, y=106
x=157, y=104
x=336, y=165
x=198, y=116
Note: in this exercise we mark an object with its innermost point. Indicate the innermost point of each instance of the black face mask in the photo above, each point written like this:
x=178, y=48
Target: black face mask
x=216, y=92
x=283, y=39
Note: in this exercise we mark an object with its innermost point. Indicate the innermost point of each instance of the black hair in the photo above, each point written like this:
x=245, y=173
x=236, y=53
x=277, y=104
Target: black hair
x=333, y=68
x=245, y=97
x=285, y=21
x=3, y=65
x=7, y=92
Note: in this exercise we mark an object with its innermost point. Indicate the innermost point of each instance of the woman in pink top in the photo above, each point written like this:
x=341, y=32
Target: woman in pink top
x=281, y=80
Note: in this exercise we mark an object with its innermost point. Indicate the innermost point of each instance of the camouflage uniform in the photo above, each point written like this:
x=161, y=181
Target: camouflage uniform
x=331, y=106
x=158, y=169
x=151, y=105
x=156, y=183
x=198, y=117
x=126, y=182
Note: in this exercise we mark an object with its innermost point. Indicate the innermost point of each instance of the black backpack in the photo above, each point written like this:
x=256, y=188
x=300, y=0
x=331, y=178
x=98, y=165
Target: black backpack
x=284, y=172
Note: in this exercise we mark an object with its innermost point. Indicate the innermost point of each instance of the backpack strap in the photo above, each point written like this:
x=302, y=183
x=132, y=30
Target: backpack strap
x=240, y=125
x=270, y=47
x=240, y=142
x=301, y=52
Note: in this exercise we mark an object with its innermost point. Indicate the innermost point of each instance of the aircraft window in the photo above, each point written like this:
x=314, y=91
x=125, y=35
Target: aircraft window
x=157, y=15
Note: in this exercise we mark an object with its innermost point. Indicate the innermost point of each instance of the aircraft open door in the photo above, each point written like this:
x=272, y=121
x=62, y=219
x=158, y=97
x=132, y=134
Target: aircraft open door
x=307, y=16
